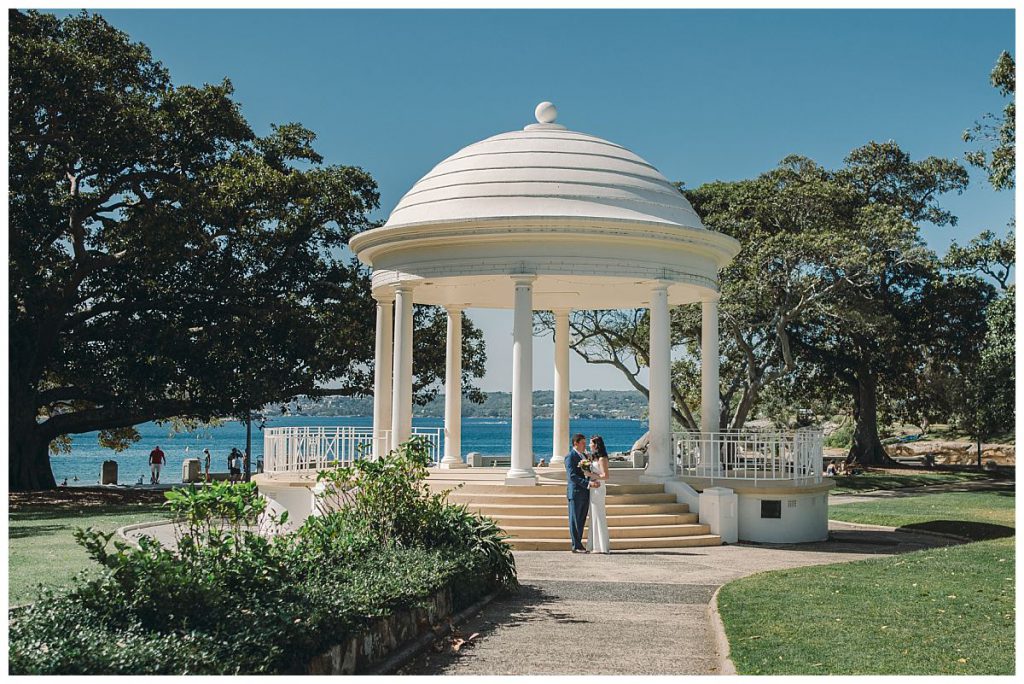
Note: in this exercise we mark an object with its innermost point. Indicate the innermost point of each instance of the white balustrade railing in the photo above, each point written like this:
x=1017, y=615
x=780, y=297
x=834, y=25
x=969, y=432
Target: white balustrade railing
x=750, y=455
x=316, y=448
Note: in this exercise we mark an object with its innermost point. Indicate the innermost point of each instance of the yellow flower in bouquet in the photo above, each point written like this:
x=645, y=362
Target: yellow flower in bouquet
x=585, y=465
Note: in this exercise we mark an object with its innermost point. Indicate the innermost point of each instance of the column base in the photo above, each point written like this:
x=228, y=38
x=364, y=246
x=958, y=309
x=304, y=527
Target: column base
x=557, y=461
x=657, y=479
x=521, y=479
x=454, y=465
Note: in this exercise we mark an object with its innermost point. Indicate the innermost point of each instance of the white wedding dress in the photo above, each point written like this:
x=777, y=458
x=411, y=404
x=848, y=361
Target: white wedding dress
x=597, y=536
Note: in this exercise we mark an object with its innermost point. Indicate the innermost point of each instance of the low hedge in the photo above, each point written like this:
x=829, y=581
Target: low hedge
x=233, y=599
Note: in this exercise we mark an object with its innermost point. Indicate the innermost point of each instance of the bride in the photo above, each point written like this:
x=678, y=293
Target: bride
x=597, y=537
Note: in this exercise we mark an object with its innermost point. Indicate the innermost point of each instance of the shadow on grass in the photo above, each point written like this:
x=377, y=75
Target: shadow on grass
x=514, y=610
x=51, y=512
x=974, y=531
x=27, y=531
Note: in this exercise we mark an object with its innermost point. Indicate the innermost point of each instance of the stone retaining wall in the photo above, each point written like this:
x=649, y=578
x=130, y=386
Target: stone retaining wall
x=358, y=653
x=955, y=453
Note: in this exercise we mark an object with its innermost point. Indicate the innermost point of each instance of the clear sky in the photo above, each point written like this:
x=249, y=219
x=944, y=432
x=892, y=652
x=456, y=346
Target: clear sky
x=703, y=95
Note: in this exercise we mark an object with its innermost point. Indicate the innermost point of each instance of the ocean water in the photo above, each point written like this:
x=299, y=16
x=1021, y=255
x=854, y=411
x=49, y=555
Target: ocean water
x=489, y=436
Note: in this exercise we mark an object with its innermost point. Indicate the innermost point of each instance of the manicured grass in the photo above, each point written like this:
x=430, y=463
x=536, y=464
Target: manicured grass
x=947, y=610
x=42, y=549
x=929, y=509
x=883, y=479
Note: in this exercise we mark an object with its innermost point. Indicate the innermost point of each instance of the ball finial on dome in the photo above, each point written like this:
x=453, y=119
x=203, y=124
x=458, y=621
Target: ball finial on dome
x=546, y=113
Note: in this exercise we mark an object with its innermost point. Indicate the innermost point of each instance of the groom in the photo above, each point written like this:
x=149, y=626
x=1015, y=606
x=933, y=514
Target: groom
x=578, y=487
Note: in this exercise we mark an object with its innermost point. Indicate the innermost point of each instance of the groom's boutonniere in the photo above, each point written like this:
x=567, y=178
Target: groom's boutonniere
x=585, y=465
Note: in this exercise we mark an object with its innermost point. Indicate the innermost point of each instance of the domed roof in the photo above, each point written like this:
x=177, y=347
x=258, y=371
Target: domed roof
x=545, y=171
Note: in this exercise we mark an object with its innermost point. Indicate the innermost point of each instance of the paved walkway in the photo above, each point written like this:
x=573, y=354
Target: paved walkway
x=646, y=611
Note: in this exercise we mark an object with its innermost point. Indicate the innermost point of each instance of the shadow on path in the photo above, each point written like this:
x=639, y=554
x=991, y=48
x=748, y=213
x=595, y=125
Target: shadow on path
x=530, y=604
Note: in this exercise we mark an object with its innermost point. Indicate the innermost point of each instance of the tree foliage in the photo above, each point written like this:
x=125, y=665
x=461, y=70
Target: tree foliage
x=165, y=259
x=998, y=132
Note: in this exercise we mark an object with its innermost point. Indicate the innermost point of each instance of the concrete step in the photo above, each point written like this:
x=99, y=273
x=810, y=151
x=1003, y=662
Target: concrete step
x=562, y=521
x=543, y=544
x=554, y=499
x=635, y=532
x=498, y=509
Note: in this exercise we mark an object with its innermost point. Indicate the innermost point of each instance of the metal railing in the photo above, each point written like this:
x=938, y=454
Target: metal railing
x=316, y=448
x=750, y=454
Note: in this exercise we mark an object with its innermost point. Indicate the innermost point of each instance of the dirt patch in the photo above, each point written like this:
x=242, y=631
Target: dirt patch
x=85, y=498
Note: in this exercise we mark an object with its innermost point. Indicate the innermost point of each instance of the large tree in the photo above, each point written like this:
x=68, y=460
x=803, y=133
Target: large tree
x=887, y=319
x=165, y=261
x=785, y=221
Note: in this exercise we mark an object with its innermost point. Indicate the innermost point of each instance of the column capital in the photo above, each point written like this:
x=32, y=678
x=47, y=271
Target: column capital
x=454, y=309
x=523, y=278
x=711, y=298
x=660, y=285
x=405, y=287
x=384, y=296
x=562, y=310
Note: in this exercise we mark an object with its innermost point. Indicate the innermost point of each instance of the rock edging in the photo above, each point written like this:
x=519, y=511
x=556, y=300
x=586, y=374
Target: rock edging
x=725, y=664
x=390, y=641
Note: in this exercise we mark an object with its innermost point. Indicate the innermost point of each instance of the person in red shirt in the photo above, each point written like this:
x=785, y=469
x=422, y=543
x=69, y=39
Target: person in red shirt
x=156, y=461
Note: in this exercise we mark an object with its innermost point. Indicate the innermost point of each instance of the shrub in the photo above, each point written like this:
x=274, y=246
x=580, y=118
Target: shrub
x=235, y=599
x=842, y=438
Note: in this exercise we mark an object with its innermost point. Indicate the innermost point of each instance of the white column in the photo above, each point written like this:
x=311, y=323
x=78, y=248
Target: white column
x=453, y=391
x=709, y=393
x=659, y=448
x=560, y=434
x=382, y=379
x=401, y=407
x=522, y=471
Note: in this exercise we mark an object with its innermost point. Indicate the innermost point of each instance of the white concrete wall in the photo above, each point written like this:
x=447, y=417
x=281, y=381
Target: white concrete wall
x=804, y=518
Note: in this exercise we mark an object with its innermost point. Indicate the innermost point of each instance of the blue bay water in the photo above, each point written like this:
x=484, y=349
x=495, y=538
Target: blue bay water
x=489, y=436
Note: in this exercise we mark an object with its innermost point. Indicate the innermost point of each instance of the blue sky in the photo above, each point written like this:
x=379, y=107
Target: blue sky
x=703, y=95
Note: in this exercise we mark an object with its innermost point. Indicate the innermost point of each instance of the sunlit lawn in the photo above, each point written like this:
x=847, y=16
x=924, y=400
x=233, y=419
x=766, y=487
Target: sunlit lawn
x=947, y=610
x=42, y=548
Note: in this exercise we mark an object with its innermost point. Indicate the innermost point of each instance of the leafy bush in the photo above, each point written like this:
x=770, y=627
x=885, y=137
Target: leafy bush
x=842, y=438
x=235, y=599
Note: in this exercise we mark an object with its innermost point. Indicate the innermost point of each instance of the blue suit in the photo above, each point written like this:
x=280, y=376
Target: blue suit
x=577, y=490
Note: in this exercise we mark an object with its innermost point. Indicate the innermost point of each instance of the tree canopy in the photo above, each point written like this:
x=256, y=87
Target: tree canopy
x=167, y=261
x=998, y=132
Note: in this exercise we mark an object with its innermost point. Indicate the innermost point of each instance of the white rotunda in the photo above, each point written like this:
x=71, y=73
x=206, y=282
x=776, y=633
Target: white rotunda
x=541, y=219
x=550, y=219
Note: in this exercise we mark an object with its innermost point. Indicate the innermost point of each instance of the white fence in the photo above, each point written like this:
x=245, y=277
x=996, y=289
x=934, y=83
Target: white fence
x=750, y=455
x=316, y=448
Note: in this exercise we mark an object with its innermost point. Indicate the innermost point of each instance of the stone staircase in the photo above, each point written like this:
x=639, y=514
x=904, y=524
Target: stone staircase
x=640, y=516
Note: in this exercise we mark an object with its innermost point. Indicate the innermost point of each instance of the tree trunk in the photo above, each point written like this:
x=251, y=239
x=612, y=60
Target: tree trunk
x=248, y=445
x=867, y=448
x=29, y=459
x=979, y=453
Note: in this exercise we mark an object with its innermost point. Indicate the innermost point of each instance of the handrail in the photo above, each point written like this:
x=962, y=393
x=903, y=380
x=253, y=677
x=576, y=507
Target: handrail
x=756, y=455
x=287, y=449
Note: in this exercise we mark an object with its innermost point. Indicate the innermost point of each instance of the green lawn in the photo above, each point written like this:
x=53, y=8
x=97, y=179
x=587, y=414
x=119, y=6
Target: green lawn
x=876, y=480
x=942, y=611
x=42, y=549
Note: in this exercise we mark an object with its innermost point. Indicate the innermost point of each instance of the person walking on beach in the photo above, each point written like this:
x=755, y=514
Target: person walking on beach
x=206, y=464
x=156, y=461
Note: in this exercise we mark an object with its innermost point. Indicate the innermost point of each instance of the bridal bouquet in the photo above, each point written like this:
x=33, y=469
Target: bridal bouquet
x=585, y=465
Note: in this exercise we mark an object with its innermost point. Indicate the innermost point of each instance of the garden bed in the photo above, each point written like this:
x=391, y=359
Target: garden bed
x=235, y=600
